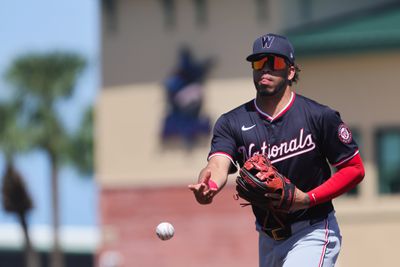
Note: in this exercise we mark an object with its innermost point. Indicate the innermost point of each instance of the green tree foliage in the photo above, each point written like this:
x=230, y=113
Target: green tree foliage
x=41, y=81
x=81, y=151
x=48, y=76
x=13, y=137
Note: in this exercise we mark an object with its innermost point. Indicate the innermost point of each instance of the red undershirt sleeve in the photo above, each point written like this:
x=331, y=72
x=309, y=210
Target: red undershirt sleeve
x=349, y=174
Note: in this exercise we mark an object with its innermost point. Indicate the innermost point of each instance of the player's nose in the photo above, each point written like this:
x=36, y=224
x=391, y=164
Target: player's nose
x=266, y=71
x=266, y=75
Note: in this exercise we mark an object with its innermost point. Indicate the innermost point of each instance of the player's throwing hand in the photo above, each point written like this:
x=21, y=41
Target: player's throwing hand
x=205, y=189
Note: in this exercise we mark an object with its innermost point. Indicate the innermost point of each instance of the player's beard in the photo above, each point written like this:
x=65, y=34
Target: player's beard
x=265, y=90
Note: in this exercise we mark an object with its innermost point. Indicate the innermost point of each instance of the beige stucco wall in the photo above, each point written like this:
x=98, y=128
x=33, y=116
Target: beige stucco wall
x=362, y=86
x=370, y=230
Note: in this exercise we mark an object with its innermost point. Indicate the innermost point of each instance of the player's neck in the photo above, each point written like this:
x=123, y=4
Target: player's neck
x=272, y=105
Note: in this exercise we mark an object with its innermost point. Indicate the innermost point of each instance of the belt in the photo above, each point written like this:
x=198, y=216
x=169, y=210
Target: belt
x=282, y=233
x=278, y=234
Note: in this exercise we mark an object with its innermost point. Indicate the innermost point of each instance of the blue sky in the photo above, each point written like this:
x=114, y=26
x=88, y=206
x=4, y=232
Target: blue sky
x=46, y=26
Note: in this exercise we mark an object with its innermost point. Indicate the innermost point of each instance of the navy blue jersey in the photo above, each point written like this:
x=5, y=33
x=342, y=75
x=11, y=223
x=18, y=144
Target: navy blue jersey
x=301, y=141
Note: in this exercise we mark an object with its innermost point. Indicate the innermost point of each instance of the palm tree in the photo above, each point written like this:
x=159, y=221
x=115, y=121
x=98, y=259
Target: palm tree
x=15, y=197
x=81, y=151
x=41, y=80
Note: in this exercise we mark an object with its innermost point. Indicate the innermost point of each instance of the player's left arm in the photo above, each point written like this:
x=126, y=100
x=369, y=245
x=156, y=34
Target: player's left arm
x=340, y=147
x=349, y=174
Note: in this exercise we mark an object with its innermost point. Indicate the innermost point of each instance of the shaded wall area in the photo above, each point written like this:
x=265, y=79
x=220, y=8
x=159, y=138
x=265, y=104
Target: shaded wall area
x=13, y=258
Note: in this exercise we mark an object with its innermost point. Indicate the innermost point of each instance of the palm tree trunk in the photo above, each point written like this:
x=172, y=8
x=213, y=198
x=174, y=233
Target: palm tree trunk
x=31, y=257
x=56, y=258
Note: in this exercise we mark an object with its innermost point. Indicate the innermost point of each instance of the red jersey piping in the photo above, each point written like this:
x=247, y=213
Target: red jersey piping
x=220, y=153
x=281, y=113
x=345, y=160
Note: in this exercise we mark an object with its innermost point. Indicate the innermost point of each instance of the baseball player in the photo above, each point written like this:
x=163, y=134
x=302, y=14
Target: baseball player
x=302, y=138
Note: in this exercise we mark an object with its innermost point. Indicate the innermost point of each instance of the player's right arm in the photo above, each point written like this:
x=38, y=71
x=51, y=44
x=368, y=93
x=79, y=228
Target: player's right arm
x=211, y=180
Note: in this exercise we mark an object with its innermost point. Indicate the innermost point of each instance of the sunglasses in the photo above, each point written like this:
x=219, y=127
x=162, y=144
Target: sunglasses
x=275, y=63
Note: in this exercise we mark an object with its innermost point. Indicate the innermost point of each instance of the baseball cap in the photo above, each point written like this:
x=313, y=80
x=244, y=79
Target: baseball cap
x=271, y=43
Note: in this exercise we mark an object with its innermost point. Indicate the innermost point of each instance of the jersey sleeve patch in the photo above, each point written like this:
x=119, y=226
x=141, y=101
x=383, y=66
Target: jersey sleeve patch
x=344, y=134
x=337, y=140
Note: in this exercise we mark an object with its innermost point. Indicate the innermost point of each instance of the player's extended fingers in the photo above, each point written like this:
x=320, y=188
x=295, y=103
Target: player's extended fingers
x=209, y=195
x=194, y=187
x=202, y=187
x=202, y=192
x=197, y=187
x=210, y=192
x=198, y=190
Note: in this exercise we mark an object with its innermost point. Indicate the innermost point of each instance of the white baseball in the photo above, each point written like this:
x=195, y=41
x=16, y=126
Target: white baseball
x=165, y=231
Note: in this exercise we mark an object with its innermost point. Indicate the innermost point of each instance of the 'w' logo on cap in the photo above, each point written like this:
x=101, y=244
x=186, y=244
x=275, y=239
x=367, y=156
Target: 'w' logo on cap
x=267, y=41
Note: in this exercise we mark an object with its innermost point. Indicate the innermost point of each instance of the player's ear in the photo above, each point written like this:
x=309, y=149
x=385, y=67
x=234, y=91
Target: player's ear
x=291, y=73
